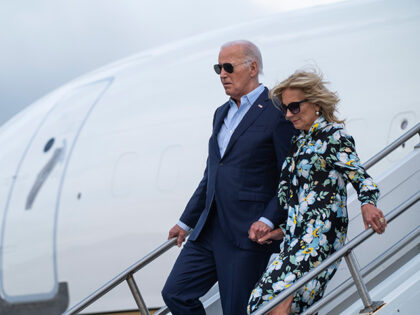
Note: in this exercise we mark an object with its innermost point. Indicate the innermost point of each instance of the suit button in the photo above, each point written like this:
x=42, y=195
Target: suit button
x=221, y=163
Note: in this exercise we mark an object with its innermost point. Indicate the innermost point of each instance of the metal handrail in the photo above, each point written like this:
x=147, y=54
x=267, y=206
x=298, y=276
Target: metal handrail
x=345, y=250
x=378, y=261
x=372, y=161
x=392, y=146
x=313, y=273
x=126, y=275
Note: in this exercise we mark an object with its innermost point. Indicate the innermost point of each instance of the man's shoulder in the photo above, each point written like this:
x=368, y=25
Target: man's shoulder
x=272, y=110
x=265, y=100
x=221, y=107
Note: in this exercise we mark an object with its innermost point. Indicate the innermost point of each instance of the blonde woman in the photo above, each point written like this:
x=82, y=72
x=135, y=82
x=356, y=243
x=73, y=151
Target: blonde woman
x=312, y=190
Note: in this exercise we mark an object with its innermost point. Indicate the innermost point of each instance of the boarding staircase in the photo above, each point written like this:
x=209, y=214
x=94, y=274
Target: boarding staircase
x=381, y=273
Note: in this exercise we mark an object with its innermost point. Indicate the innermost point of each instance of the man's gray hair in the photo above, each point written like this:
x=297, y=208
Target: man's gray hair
x=250, y=50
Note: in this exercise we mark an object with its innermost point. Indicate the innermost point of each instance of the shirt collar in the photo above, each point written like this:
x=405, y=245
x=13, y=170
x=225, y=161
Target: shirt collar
x=249, y=98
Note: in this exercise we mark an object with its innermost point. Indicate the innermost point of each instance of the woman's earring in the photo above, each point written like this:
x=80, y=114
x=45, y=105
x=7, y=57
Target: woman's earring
x=317, y=112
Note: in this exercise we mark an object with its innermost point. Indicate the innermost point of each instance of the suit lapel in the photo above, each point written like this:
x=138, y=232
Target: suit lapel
x=218, y=121
x=253, y=113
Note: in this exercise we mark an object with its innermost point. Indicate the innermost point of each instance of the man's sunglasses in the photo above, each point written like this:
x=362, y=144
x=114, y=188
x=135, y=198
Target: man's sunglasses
x=293, y=107
x=228, y=67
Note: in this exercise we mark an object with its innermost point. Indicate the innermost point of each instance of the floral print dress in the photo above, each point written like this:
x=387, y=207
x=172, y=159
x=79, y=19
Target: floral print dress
x=312, y=190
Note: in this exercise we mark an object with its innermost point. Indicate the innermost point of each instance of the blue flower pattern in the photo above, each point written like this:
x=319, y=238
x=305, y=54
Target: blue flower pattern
x=312, y=190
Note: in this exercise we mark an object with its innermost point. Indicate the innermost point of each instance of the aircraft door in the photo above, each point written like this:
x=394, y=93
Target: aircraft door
x=28, y=270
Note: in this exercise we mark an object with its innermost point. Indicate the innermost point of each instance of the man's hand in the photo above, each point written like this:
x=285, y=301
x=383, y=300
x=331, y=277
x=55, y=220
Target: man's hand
x=373, y=217
x=257, y=230
x=276, y=234
x=178, y=232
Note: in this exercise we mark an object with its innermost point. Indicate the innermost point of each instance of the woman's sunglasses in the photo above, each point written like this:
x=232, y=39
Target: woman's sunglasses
x=293, y=107
x=228, y=67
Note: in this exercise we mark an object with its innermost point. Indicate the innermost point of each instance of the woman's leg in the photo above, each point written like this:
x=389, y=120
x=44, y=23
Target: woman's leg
x=284, y=308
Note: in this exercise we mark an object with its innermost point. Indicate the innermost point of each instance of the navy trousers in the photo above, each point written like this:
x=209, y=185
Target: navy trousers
x=213, y=257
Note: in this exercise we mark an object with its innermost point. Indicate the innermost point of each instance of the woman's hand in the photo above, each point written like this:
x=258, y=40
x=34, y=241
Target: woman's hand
x=373, y=217
x=276, y=234
x=257, y=230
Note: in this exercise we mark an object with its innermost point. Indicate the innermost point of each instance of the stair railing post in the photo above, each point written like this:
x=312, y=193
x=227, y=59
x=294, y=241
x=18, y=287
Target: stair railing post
x=361, y=287
x=137, y=295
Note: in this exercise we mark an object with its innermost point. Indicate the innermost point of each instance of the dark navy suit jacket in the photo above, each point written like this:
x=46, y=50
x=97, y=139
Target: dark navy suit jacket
x=244, y=182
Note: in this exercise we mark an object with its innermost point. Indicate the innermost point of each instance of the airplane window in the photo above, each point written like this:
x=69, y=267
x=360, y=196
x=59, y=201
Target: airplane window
x=48, y=145
x=400, y=124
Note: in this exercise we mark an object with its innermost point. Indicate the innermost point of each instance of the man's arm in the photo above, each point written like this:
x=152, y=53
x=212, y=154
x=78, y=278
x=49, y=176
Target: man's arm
x=282, y=138
x=191, y=213
x=196, y=204
x=273, y=215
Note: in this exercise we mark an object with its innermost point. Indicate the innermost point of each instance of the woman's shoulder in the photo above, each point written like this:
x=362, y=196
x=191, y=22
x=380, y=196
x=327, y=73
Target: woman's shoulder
x=334, y=132
x=330, y=128
x=337, y=133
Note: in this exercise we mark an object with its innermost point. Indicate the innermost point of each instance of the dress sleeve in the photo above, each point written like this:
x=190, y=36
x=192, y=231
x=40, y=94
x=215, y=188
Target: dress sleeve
x=343, y=158
x=284, y=186
x=284, y=189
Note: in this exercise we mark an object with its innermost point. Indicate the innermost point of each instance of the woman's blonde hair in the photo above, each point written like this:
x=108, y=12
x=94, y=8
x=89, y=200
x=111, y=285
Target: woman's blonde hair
x=313, y=87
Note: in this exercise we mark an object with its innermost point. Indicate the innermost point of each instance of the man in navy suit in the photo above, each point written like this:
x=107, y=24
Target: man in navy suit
x=235, y=203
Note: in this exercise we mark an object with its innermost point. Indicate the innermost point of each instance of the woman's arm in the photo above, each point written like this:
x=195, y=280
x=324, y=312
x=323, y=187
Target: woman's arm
x=345, y=159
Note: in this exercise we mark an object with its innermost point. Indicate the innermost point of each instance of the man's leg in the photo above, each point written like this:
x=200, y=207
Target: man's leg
x=238, y=271
x=193, y=274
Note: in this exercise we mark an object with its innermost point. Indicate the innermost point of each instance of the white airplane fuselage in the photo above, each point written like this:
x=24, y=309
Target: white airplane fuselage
x=94, y=174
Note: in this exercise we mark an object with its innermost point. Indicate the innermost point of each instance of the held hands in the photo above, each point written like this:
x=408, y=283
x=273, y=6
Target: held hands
x=276, y=235
x=263, y=234
x=257, y=230
x=178, y=232
x=373, y=217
